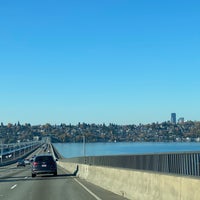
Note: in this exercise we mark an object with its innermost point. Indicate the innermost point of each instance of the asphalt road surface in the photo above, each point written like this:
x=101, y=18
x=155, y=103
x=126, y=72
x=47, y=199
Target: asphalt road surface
x=16, y=183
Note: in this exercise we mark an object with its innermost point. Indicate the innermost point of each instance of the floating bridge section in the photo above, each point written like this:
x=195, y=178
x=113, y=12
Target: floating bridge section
x=167, y=176
x=10, y=153
x=173, y=163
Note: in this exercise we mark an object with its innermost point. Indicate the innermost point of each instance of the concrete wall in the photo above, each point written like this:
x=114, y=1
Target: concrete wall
x=138, y=185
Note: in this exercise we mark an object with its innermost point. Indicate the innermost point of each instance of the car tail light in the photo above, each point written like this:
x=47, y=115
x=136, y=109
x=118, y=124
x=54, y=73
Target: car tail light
x=35, y=164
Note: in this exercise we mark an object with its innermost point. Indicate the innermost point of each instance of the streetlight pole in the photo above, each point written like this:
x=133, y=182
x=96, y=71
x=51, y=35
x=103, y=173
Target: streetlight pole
x=14, y=148
x=1, y=151
x=84, y=150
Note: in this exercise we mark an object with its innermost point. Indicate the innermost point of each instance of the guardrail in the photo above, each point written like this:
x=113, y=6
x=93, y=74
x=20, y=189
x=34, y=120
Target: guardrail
x=55, y=152
x=177, y=163
x=9, y=153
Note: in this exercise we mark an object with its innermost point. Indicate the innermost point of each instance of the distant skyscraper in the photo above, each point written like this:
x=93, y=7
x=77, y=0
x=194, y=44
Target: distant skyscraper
x=173, y=118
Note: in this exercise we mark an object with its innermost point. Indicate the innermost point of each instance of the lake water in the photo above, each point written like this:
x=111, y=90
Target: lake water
x=68, y=150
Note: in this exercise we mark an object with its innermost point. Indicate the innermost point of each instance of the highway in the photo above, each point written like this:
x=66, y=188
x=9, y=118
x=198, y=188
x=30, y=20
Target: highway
x=16, y=183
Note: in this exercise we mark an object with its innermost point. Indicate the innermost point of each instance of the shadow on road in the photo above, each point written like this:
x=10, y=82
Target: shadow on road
x=15, y=178
x=38, y=177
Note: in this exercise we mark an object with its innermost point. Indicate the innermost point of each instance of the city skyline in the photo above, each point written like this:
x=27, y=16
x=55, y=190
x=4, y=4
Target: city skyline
x=99, y=62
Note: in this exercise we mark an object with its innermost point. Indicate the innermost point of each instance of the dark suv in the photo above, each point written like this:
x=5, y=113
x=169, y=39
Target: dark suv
x=20, y=162
x=44, y=164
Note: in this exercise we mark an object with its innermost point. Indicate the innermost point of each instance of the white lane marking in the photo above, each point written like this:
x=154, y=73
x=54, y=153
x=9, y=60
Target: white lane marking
x=94, y=195
x=14, y=186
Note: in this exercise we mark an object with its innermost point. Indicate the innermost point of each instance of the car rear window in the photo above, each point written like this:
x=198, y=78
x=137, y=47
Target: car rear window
x=44, y=159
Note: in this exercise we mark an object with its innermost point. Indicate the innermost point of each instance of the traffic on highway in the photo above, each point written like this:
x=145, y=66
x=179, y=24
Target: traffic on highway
x=39, y=177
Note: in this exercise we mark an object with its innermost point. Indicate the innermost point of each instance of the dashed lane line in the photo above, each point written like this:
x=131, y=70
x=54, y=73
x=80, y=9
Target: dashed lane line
x=13, y=187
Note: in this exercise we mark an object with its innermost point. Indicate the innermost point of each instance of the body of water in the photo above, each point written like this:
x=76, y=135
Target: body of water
x=69, y=150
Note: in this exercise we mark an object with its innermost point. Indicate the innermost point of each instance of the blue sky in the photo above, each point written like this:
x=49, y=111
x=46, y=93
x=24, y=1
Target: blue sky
x=108, y=61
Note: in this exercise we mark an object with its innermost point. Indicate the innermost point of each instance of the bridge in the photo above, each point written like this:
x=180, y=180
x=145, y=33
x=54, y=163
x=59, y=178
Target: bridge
x=16, y=183
x=169, y=176
x=10, y=153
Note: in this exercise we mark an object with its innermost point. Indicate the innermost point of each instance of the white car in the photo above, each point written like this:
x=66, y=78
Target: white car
x=27, y=162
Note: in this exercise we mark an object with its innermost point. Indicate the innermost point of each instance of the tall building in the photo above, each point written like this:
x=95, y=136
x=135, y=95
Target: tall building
x=173, y=118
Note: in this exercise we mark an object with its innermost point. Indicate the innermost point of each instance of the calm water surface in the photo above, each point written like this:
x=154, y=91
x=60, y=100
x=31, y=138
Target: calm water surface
x=68, y=150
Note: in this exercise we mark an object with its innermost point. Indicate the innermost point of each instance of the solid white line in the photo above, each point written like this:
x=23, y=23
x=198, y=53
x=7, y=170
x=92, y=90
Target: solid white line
x=94, y=195
x=14, y=186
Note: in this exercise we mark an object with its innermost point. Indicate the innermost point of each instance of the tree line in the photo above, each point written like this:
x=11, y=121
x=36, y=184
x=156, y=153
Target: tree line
x=154, y=132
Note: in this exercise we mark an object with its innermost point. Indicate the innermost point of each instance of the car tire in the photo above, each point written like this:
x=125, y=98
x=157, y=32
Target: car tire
x=55, y=173
x=33, y=175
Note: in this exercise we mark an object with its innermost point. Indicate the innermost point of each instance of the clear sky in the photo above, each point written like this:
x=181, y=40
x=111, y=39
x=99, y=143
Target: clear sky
x=99, y=61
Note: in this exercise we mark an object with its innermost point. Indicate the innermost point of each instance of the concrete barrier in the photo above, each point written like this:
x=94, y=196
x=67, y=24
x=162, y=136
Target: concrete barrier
x=138, y=185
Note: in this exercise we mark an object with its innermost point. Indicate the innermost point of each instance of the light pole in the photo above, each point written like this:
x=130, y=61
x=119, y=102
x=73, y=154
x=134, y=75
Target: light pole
x=1, y=151
x=14, y=148
x=84, y=150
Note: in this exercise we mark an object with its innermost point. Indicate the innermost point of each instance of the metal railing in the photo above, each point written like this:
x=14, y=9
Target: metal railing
x=9, y=153
x=177, y=163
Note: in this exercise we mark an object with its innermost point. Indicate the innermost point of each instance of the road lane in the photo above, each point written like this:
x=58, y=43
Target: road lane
x=21, y=186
